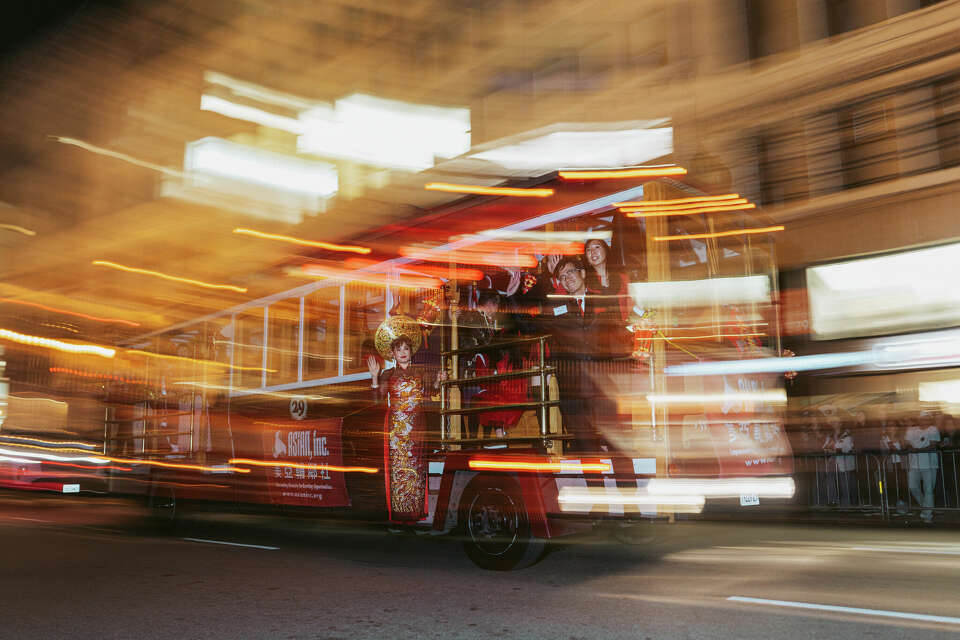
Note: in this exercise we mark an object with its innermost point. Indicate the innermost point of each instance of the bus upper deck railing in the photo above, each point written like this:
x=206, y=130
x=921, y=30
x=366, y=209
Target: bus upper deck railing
x=543, y=405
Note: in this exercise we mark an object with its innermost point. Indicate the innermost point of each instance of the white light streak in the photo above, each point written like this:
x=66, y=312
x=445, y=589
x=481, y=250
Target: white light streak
x=776, y=396
x=771, y=365
x=225, y=159
x=582, y=149
x=385, y=133
x=581, y=498
x=250, y=114
x=50, y=456
x=740, y=290
x=780, y=487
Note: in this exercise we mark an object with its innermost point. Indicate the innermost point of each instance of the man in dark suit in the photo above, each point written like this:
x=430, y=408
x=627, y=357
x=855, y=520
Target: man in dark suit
x=575, y=327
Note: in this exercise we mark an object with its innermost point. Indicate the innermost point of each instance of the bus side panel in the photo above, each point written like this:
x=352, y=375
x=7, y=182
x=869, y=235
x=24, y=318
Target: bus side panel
x=301, y=453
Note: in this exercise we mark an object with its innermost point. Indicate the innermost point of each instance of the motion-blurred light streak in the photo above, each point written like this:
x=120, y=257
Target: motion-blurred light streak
x=721, y=234
x=684, y=206
x=582, y=498
x=771, y=365
x=385, y=133
x=119, y=156
x=95, y=376
x=488, y=191
x=445, y=273
x=778, y=487
x=164, y=276
x=194, y=361
x=328, y=246
x=76, y=314
x=302, y=465
x=221, y=158
x=676, y=201
x=594, y=145
x=620, y=174
x=563, y=466
x=17, y=228
x=249, y=113
x=334, y=273
x=508, y=235
x=31, y=440
x=775, y=396
x=58, y=345
x=732, y=290
x=468, y=257
x=660, y=213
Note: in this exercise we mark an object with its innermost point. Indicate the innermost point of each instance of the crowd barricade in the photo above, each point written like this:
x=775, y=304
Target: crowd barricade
x=849, y=481
x=874, y=483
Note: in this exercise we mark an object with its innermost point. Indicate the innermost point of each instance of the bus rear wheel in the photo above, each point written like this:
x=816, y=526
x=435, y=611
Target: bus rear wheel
x=496, y=526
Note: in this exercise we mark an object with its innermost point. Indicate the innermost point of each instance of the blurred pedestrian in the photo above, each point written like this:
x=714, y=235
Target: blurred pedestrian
x=924, y=461
x=891, y=445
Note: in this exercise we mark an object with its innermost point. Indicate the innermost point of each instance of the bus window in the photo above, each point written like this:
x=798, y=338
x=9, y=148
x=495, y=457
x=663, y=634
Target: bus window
x=283, y=345
x=321, y=335
x=366, y=309
x=248, y=353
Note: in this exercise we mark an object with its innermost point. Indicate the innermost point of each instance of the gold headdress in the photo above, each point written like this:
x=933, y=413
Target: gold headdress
x=394, y=327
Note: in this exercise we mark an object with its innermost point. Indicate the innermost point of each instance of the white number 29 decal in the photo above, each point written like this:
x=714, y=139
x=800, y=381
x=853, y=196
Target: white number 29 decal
x=298, y=408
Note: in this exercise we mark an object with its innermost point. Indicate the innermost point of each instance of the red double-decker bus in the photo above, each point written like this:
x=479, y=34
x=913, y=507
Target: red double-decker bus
x=530, y=434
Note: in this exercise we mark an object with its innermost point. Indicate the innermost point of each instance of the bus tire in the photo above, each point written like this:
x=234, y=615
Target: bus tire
x=496, y=525
x=162, y=506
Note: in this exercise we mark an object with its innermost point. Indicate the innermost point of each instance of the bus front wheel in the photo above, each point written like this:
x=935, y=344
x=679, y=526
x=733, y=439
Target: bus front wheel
x=496, y=526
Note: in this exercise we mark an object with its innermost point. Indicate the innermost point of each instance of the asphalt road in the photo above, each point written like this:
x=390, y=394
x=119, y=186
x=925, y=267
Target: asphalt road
x=82, y=567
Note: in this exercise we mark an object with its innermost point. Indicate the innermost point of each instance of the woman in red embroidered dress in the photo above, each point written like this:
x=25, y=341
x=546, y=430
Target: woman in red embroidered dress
x=407, y=387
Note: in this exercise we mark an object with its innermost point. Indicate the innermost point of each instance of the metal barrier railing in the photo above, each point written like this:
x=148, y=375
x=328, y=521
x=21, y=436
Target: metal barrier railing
x=879, y=483
x=543, y=405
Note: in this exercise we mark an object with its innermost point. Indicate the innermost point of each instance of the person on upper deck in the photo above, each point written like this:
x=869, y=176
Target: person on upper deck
x=573, y=325
x=605, y=279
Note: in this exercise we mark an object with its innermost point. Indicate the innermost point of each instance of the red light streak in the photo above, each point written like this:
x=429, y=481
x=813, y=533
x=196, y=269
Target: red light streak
x=530, y=247
x=95, y=467
x=468, y=257
x=445, y=273
x=553, y=467
x=76, y=314
x=349, y=275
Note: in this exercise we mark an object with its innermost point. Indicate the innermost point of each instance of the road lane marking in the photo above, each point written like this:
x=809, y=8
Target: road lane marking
x=232, y=544
x=866, y=612
x=931, y=550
